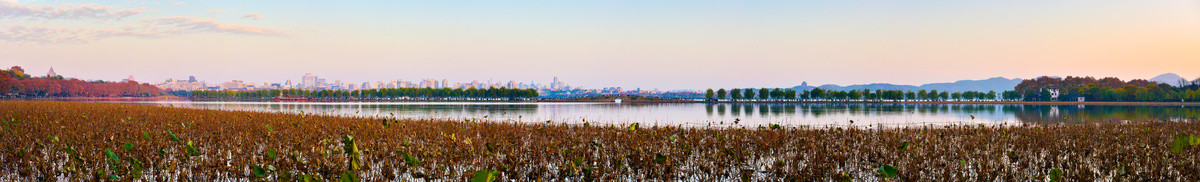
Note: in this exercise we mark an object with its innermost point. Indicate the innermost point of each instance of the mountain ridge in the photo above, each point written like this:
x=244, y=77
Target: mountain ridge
x=1169, y=78
x=991, y=84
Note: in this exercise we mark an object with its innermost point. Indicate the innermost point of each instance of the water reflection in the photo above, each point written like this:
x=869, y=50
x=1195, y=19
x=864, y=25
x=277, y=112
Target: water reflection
x=748, y=114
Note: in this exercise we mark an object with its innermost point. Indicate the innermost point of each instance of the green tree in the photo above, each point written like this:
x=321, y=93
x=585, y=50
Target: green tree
x=817, y=93
x=736, y=94
x=708, y=94
x=933, y=95
x=721, y=94
x=1045, y=95
x=855, y=95
x=749, y=93
x=764, y=94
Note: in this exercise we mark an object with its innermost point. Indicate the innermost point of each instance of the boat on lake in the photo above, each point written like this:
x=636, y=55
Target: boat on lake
x=289, y=98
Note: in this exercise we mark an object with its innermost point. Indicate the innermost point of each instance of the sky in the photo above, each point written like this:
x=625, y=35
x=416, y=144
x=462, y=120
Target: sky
x=668, y=44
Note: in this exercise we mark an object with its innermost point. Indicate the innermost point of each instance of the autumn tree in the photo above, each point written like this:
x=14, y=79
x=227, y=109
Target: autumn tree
x=7, y=83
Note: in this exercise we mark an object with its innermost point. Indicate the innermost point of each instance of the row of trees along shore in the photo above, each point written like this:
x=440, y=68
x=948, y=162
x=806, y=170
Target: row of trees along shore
x=1106, y=89
x=15, y=81
x=386, y=93
x=819, y=94
x=1040, y=89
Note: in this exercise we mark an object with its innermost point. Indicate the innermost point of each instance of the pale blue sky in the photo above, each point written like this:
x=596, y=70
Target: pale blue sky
x=650, y=44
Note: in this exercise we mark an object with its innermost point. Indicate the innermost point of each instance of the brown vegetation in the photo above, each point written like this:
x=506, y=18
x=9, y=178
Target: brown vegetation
x=91, y=141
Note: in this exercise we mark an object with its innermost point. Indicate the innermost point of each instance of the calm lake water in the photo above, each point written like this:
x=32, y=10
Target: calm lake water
x=703, y=114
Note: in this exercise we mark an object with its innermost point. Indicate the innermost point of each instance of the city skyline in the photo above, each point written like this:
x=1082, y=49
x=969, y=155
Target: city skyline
x=666, y=45
x=504, y=83
x=314, y=82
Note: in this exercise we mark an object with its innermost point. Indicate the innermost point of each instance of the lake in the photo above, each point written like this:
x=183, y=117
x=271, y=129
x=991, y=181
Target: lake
x=724, y=114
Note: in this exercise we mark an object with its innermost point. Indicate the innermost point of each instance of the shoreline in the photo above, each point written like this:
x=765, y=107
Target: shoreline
x=975, y=102
x=669, y=101
x=626, y=100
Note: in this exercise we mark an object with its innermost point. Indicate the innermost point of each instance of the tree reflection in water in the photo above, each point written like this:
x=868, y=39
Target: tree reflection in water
x=699, y=114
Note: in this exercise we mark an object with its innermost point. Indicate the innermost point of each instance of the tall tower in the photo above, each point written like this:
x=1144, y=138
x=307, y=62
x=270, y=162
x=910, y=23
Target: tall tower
x=51, y=73
x=310, y=81
x=554, y=85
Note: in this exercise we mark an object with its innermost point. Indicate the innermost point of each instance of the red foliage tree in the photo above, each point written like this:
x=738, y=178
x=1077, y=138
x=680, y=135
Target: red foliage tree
x=7, y=82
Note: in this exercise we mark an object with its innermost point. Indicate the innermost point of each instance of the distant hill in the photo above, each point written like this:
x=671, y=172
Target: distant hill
x=1169, y=78
x=992, y=84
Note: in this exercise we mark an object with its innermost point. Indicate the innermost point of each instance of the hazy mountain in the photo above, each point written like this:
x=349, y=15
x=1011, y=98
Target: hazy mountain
x=992, y=84
x=1169, y=78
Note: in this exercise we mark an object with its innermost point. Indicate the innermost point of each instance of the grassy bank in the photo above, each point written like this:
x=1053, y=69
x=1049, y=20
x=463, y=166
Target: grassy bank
x=65, y=140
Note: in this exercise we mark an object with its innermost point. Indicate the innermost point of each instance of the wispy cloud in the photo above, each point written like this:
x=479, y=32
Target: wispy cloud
x=180, y=3
x=13, y=9
x=45, y=35
x=149, y=28
x=215, y=11
x=252, y=16
x=198, y=25
x=154, y=28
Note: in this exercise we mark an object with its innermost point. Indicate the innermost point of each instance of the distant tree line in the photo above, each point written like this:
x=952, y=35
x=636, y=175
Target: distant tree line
x=1105, y=89
x=749, y=94
x=819, y=94
x=15, y=80
x=1038, y=89
x=374, y=93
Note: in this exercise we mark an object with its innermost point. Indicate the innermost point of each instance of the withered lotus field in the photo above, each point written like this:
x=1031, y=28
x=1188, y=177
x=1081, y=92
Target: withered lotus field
x=94, y=141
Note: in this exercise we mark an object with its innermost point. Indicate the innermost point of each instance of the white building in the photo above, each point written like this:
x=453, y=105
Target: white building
x=309, y=81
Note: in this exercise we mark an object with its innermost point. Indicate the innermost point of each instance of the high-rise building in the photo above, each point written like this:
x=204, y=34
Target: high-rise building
x=173, y=84
x=310, y=81
x=233, y=85
x=557, y=85
x=193, y=79
x=445, y=83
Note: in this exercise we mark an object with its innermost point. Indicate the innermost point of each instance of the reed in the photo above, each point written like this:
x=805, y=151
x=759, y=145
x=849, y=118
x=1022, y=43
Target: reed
x=95, y=141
